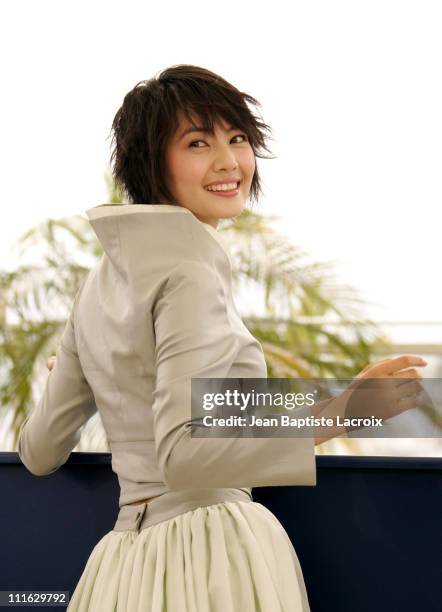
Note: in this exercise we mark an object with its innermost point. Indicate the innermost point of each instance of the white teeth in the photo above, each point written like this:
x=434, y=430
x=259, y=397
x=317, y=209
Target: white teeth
x=225, y=187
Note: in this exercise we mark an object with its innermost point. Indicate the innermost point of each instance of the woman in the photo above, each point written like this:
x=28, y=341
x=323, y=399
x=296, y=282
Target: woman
x=156, y=312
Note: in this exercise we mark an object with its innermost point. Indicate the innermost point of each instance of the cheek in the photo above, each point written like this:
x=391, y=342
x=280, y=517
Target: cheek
x=188, y=170
x=249, y=163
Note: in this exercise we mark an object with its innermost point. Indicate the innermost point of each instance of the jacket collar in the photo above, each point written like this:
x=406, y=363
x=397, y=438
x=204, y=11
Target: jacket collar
x=108, y=210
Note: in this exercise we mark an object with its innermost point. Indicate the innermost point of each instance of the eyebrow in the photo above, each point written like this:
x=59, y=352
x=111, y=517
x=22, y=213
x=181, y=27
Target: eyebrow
x=199, y=129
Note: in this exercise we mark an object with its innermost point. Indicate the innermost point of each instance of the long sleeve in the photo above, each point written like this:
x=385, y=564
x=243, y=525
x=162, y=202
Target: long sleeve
x=52, y=429
x=195, y=338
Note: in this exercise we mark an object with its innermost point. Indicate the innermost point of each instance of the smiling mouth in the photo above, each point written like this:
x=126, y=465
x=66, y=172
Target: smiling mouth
x=224, y=190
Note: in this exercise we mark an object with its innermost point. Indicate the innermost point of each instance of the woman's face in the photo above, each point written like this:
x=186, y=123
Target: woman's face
x=197, y=159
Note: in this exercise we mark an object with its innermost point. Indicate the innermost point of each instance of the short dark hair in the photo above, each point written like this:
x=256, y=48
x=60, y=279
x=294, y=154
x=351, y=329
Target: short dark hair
x=148, y=118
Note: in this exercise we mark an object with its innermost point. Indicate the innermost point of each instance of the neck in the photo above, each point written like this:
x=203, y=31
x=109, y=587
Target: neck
x=212, y=222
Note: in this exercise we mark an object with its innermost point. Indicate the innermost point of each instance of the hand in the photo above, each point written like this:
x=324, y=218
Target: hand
x=386, y=388
x=51, y=362
x=383, y=389
x=389, y=366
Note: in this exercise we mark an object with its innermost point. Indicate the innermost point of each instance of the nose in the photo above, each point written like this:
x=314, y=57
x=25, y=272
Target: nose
x=225, y=159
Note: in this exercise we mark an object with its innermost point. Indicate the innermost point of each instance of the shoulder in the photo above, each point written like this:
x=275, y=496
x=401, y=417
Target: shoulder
x=192, y=296
x=194, y=278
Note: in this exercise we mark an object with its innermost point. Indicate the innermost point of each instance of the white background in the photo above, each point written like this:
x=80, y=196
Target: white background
x=352, y=91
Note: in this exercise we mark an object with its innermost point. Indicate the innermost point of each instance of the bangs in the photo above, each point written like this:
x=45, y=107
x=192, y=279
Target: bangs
x=205, y=112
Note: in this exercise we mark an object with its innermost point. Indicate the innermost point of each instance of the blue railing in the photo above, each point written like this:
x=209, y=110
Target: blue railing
x=368, y=535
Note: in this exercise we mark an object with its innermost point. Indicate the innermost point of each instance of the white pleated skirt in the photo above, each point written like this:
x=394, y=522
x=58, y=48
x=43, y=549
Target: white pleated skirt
x=188, y=551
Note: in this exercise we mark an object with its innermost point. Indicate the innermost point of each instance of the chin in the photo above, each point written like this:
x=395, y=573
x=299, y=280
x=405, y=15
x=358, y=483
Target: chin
x=226, y=208
x=220, y=208
x=229, y=214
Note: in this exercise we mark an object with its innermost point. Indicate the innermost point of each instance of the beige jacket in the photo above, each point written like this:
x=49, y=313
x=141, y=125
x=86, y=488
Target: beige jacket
x=156, y=311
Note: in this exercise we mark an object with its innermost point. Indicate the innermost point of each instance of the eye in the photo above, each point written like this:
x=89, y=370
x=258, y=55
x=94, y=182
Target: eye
x=237, y=135
x=243, y=136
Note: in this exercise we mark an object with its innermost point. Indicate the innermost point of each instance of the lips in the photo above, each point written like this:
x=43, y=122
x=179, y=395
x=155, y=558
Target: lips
x=224, y=183
x=231, y=180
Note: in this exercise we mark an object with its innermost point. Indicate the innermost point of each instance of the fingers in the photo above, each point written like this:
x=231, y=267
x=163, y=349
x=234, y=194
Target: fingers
x=411, y=402
x=412, y=398
x=391, y=366
x=50, y=362
x=410, y=373
x=412, y=387
x=370, y=365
